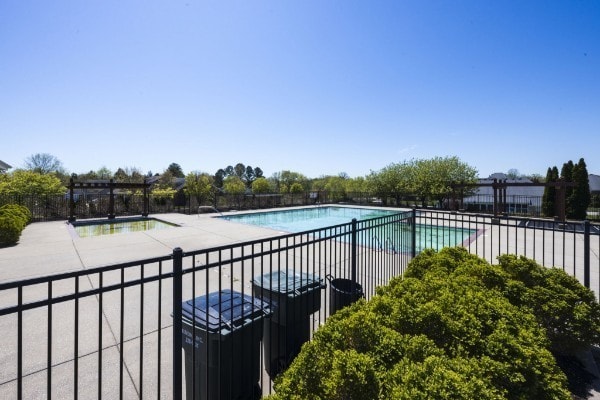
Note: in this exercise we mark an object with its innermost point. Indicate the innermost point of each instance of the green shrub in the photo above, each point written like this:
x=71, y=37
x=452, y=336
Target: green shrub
x=442, y=378
x=445, y=331
x=446, y=261
x=561, y=304
x=564, y=307
x=17, y=210
x=10, y=229
x=13, y=218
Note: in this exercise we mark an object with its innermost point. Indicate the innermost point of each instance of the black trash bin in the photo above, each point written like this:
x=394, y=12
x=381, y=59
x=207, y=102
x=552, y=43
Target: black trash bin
x=342, y=293
x=222, y=354
x=292, y=297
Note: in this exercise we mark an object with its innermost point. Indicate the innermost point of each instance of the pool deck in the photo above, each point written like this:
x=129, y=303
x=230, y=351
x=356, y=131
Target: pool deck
x=51, y=247
x=47, y=248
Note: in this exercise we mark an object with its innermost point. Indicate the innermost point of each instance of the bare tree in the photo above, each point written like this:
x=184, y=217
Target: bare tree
x=513, y=173
x=43, y=163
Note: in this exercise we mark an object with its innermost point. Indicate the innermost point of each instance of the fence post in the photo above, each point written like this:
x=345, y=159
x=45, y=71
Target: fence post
x=177, y=324
x=71, y=201
x=146, y=199
x=586, y=253
x=353, y=251
x=111, y=200
x=413, y=218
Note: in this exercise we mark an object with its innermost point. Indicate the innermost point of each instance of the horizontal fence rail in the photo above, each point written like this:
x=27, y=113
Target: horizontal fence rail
x=223, y=322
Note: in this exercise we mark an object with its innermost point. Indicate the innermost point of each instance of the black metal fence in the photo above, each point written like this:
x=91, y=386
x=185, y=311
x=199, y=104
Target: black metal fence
x=56, y=207
x=118, y=331
x=48, y=208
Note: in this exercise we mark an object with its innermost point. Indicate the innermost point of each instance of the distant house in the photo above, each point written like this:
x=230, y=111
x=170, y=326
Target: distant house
x=519, y=199
x=91, y=192
x=4, y=166
x=594, y=181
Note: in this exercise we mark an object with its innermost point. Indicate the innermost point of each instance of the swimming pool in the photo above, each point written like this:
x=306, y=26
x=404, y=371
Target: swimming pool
x=116, y=226
x=395, y=239
x=305, y=219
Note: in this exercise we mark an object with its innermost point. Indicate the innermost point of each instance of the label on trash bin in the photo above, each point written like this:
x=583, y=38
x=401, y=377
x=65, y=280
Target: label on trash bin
x=188, y=339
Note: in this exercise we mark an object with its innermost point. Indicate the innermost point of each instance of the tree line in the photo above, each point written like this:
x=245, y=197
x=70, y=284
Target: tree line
x=423, y=181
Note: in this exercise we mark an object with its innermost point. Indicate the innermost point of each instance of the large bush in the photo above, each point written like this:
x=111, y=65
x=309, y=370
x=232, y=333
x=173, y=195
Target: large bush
x=21, y=182
x=564, y=307
x=567, y=310
x=13, y=219
x=10, y=230
x=447, y=330
x=18, y=211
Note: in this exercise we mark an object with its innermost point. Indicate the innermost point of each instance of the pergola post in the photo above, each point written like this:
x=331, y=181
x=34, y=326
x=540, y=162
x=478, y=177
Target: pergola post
x=146, y=200
x=504, y=198
x=560, y=201
x=111, y=201
x=71, y=201
x=495, y=188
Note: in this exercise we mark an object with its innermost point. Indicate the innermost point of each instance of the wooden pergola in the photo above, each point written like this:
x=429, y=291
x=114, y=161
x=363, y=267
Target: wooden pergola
x=499, y=187
x=111, y=185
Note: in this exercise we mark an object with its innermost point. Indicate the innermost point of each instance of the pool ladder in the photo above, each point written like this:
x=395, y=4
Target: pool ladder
x=388, y=245
x=209, y=208
x=391, y=248
x=377, y=242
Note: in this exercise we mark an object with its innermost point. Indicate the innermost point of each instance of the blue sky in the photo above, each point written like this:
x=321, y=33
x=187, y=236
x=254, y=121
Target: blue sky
x=316, y=87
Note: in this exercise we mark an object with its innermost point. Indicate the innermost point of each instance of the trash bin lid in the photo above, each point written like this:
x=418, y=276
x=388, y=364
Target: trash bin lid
x=287, y=282
x=226, y=309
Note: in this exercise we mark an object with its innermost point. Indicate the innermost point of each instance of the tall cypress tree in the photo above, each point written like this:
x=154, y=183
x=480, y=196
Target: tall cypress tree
x=566, y=174
x=548, y=199
x=580, y=197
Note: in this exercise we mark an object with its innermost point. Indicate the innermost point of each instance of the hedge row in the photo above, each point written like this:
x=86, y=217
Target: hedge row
x=453, y=327
x=13, y=219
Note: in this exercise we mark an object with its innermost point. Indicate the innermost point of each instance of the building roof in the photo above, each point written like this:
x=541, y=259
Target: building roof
x=179, y=183
x=4, y=166
x=594, y=181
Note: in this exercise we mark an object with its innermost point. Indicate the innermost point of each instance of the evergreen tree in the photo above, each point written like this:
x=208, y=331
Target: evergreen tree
x=566, y=174
x=548, y=200
x=219, y=178
x=579, y=198
x=239, y=170
x=175, y=170
x=248, y=177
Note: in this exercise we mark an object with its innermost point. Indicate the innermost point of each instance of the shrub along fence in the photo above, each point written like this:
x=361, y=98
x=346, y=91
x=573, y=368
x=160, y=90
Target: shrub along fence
x=448, y=330
x=118, y=331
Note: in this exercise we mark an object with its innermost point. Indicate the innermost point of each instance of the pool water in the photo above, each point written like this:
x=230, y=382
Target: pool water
x=301, y=220
x=431, y=237
x=112, y=227
x=306, y=219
